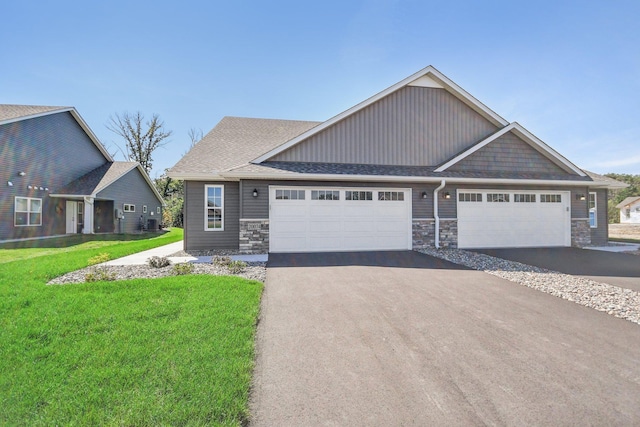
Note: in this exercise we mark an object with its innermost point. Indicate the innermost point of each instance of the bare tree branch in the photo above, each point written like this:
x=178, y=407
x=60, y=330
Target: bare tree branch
x=140, y=144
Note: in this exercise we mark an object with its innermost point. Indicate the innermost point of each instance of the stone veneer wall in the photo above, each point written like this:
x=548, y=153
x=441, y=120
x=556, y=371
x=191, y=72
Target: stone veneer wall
x=423, y=231
x=580, y=233
x=254, y=236
x=448, y=233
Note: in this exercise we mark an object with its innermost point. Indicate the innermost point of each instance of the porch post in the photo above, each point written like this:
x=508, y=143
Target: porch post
x=88, y=215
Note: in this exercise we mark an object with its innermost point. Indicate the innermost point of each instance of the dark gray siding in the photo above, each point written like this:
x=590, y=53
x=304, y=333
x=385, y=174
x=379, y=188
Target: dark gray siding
x=195, y=236
x=600, y=235
x=414, y=126
x=258, y=208
x=133, y=189
x=52, y=150
x=506, y=154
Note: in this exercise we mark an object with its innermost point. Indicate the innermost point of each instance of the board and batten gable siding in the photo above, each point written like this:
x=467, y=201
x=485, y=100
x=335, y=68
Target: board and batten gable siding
x=132, y=189
x=195, y=236
x=258, y=207
x=508, y=153
x=414, y=126
x=52, y=151
x=600, y=234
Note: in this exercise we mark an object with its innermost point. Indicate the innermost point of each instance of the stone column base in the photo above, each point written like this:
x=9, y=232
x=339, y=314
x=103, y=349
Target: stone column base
x=254, y=236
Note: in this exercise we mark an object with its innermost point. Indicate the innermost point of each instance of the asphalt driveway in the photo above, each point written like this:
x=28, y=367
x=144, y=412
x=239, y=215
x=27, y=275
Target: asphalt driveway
x=355, y=344
x=618, y=269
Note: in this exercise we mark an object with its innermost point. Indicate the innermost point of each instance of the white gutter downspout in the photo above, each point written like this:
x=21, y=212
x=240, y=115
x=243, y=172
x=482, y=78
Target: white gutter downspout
x=435, y=214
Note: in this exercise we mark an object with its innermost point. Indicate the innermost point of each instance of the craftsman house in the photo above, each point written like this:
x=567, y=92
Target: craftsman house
x=422, y=163
x=57, y=178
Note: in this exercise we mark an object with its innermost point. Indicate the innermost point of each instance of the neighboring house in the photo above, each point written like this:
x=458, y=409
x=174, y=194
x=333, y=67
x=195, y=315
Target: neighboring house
x=629, y=210
x=422, y=163
x=57, y=178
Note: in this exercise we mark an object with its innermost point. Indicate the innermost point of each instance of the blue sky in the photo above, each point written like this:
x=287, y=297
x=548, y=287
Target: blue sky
x=569, y=71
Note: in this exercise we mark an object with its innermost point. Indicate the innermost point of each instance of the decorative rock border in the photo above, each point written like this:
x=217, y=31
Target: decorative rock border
x=616, y=301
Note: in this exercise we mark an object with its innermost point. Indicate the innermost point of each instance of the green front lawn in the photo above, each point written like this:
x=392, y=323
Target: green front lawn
x=171, y=351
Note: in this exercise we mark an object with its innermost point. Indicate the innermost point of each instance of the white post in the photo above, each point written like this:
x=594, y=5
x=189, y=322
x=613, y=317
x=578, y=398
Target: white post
x=436, y=238
x=88, y=216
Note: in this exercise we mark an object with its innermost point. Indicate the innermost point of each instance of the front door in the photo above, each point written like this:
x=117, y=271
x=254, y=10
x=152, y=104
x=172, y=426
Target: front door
x=72, y=217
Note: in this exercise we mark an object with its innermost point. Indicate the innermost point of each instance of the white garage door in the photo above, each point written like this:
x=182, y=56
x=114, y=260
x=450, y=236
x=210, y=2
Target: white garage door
x=313, y=219
x=498, y=218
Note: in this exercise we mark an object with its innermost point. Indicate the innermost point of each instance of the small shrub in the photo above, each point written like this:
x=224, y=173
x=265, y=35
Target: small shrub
x=100, y=274
x=158, y=261
x=221, y=261
x=236, y=267
x=182, y=269
x=99, y=259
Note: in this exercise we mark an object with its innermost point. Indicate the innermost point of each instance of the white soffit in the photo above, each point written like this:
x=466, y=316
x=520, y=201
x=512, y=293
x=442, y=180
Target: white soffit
x=426, y=81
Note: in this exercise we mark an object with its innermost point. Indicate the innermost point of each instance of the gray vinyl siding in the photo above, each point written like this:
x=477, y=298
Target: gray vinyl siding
x=52, y=150
x=133, y=189
x=506, y=154
x=258, y=208
x=413, y=126
x=600, y=234
x=195, y=236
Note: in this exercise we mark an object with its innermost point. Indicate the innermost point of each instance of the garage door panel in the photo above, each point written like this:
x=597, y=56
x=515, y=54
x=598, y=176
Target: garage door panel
x=333, y=225
x=513, y=224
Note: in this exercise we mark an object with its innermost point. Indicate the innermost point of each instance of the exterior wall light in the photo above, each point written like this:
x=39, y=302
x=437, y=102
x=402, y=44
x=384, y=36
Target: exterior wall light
x=21, y=173
x=446, y=195
x=581, y=197
x=424, y=194
x=29, y=187
x=255, y=192
x=10, y=184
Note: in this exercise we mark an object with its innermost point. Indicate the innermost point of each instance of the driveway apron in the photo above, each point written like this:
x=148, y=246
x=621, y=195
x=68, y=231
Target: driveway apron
x=355, y=344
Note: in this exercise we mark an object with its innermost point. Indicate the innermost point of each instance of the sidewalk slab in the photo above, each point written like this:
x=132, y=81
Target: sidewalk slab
x=141, y=257
x=618, y=247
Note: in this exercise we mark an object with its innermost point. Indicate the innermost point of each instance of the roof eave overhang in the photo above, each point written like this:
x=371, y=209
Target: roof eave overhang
x=417, y=179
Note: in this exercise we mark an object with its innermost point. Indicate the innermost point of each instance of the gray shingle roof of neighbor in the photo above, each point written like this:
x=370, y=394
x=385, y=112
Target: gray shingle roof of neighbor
x=11, y=111
x=96, y=180
x=627, y=201
x=235, y=141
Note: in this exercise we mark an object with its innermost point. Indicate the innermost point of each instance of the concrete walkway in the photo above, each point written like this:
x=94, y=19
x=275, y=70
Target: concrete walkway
x=616, y=247
x=164, y=251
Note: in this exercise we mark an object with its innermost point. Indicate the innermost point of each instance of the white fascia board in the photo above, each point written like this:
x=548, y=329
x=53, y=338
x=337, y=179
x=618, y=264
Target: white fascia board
x=383, y=178
x=70, y=196
x=528, y=135
x=90, y=133
x=429, y=71
x=33, y=116
x=196, y=176
x=475, y=148
x=525, y=134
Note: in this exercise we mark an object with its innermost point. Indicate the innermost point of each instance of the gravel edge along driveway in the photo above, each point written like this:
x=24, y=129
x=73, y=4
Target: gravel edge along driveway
x=614, y=300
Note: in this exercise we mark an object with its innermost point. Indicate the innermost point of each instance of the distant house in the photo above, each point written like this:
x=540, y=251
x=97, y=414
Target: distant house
x=629, y=210
x=420, y=164
x=56, y=178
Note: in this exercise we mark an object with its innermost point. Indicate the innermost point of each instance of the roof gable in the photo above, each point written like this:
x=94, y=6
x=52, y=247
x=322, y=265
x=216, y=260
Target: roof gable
x=417, y=125
x=628, y=202
x=10, y=113
x=523, y=135
x=427, y=77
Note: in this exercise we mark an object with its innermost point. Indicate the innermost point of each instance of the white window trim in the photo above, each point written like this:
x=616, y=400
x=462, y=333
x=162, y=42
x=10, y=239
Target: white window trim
x=144, y=208
x=206, y=208
x=131, y=207
x=595, y=209
x=28, y=212
x=158, y=210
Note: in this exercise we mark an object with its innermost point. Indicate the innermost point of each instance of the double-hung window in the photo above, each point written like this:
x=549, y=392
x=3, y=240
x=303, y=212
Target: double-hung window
x=214, y=207
x=593, y=210
x=28, y=211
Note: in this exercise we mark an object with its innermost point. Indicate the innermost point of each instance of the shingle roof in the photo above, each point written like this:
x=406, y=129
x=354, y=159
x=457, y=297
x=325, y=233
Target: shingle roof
x=627, y=201
x=97, y=180
x=11, y=111
x=235, y=141
x=290, y=168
